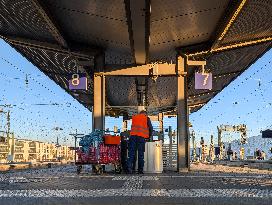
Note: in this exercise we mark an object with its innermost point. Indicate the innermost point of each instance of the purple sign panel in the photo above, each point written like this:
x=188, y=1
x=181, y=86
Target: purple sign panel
x=203, y=81
x=78, y=81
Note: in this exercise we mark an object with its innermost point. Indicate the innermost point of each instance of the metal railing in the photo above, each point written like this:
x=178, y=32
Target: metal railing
x=169, y=156
x=169, y=150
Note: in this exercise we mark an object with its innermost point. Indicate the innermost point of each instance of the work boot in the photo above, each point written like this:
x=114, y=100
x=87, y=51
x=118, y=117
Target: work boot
x=140, y=172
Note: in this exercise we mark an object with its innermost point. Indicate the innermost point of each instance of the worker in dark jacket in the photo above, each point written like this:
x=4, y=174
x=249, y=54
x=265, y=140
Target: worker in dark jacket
x=141, y=130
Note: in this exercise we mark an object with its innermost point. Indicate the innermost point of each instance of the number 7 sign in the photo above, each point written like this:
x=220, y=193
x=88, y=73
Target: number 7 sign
x=203, y=81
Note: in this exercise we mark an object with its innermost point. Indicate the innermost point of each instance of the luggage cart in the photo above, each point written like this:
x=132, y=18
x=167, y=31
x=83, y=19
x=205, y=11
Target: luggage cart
x=99, y=149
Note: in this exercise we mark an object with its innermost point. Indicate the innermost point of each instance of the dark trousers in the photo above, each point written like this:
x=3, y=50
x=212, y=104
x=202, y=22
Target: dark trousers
x=136, y=143
x=124, y=154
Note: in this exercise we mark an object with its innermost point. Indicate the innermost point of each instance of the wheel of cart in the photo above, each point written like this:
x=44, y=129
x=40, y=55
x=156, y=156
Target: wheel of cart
x=117, y=168
x=98, y=168
x=79, y=169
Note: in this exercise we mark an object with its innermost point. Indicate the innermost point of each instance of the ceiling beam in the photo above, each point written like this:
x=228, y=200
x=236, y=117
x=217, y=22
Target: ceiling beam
x=144, y=70
x=214, y=44
x=202, y=94
x=227, y=74
x=200, y=50
x=196, y=63
x=75, y=49
x=197, y=104
x=138, y=20
x=232, y=19
x=194, y=48
x=51, y=24
x=233, y=46
x=228, y=17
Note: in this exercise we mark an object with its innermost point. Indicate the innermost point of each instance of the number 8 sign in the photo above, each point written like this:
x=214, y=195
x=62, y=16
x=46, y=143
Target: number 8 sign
x=75, y=79
x=78, y=81
x=203, y=81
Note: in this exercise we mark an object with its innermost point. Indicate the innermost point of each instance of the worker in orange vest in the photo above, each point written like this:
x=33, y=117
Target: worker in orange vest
x=141, y=131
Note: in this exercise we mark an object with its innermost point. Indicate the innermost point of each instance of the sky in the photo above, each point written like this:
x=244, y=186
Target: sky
x=247, y=100
x=32, y=121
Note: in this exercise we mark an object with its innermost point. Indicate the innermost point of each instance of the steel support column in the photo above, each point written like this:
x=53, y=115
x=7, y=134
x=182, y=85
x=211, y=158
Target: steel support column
x=160, y=119
x=99, y=95
x=182, y=117
x=99, y=103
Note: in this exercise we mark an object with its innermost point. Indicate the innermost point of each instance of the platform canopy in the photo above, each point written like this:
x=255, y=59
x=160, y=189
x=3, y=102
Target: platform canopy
x=58, y=36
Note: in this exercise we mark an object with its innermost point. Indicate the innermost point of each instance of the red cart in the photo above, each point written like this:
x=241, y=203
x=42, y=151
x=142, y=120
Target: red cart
x=99, y=154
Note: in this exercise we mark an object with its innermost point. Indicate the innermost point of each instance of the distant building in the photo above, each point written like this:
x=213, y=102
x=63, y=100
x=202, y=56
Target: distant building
x=24, y=150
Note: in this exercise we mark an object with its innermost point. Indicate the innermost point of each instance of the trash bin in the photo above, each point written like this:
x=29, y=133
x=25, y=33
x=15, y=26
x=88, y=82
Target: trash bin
x=153, y=157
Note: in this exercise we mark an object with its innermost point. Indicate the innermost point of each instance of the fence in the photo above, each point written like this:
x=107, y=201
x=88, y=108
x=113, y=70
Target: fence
x=169, y=156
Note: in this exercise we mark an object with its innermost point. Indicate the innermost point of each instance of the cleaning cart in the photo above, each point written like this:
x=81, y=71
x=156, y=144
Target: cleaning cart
x=99, y=149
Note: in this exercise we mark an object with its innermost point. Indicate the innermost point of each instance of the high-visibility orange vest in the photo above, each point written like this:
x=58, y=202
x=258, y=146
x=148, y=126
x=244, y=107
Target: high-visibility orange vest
x=139, y=126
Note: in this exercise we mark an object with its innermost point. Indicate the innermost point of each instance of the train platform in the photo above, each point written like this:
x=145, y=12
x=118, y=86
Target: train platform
x=61, y=185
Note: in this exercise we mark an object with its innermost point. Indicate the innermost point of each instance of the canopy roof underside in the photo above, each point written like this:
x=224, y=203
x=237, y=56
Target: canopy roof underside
x=56, y=35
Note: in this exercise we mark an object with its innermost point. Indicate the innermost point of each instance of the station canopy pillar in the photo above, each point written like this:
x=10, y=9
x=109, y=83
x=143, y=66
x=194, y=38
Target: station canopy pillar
x=182, y=116
x=99, y=94
x=160, y=119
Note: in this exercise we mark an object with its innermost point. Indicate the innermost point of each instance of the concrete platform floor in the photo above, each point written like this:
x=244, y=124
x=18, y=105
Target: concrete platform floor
x=61, y=185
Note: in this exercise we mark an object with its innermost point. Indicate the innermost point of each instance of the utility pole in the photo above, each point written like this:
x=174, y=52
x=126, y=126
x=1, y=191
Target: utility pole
x=8, y=125
x=194, y=145
x=8, y=133
x=10, y=155
x=1, y=111
x=220, y=143
x=212, y=150
x=76, y=135
x=57, y=144
x=12, y=151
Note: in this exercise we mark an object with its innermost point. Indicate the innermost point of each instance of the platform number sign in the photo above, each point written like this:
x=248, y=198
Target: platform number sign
x=78, y=81
x=203, y=81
